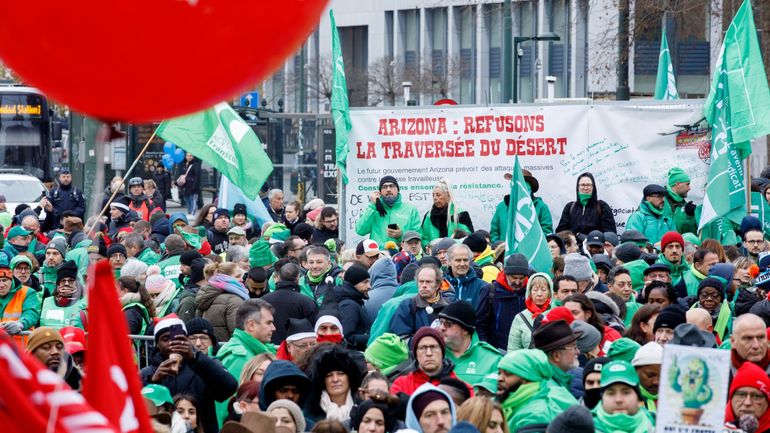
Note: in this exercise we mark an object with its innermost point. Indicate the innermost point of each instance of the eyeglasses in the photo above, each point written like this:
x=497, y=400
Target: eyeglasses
x=426, y=349
x=755, y=242
x=713, y=296
x=304, y=346
x=330, y=221
x=756, y=397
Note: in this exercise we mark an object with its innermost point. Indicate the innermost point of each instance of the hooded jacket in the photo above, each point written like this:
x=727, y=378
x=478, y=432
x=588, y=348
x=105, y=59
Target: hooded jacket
x=651, y=225
x=500, y=218
x=289, y=303
x=280, y=373
x=498, y=306
x=384, y=285
x=523, y=324
x=355, y=321
x=202, y=377
x=468, y=287
x=412, y=313
x=412, y=422
x=219, y=308
x=595, y=215
x=374, y=225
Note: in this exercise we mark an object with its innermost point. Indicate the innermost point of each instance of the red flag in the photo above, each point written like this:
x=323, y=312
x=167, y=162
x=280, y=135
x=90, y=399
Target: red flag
x=36, y=400
x=111, y=382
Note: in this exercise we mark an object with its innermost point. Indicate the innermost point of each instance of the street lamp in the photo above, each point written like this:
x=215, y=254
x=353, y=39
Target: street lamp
x=548, y=36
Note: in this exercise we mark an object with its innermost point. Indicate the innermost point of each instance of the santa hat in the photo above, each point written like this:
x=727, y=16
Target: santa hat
x=163, y=324
x=328, y=319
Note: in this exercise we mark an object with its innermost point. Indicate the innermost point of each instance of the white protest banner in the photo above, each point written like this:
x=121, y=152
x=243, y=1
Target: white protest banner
x=693, y=390
x=626, y=146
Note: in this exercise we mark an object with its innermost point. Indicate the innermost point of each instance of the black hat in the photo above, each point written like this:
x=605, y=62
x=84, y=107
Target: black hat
x=196, y=270
x=670, y=317
x=710, y=281
x=633, y=236
x=64, y=170
x=554, y=335
x=594, y=366
x=389, y=179
x=576, y=419
x=239, y=209
x=356, y=273
x=337, y=358
x=303, y=231
x=221, y=212
x=67, y=269
x=199, y=325
x=462, y=313
x=187, y=257
x=116, y=248
x=299, y=329
x=516, y=264
x=628, y=252
x=688, y=334
x=121, y=203
x=476, y=243
x=657, y=267
x=653, y=189
x=602, y=261
x=595, y=238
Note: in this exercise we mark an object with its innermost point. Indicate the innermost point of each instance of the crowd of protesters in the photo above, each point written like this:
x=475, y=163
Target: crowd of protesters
x=427, y=324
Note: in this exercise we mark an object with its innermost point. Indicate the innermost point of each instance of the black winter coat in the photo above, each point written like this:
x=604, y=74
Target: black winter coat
x=163, y=181
x=204, y=378
x=352, y=314
x=289, y=303
x=595, y=215
x=495, y=316
x=192, y=184
x=135, y=318
x=219, y=241
x=321, y=235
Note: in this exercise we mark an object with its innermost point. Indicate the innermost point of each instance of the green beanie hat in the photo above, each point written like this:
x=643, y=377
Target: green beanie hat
x=386, y=352
x=623, y=349
x=20, y=259
x=675, y=175
x=529, y=364
x=636, y=272
x=260, y=254
x=279, y=232
x=5, y=219
x=691, y=238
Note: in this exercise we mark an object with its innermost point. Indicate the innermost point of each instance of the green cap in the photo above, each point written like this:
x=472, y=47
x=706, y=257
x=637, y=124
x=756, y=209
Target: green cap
x=386, y=352
x=488, y=382
x=623, y=349
x=529, y=364
x=260, y=254
x=675, y=175
x=691, y=238
x=17, y=231
x=157, y=394
x=20, y=259
x=619, y=372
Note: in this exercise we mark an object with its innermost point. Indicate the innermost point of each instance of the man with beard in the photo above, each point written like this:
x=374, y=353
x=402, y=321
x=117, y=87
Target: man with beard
x=47, y=346
x=651, y=219
x=526, y=392
x=672, y=247
x=557, y=340
x=217, y=234
x=19, y=304
x=422, y=309
x=754, y=243
x=388, y=217
x=64, y=308
x=430, y=410
x=16, y=242
x=430, y=364
x=682, y=211
x=54, y=256
x=647, y=361
x=140, y=203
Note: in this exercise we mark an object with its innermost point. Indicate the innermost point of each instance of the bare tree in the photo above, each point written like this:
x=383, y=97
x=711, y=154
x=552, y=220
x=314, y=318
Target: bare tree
x=439, y=81
x=385, y=77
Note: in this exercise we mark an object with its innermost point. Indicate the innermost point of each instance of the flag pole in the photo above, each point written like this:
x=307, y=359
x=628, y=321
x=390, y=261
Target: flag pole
x=122, y=181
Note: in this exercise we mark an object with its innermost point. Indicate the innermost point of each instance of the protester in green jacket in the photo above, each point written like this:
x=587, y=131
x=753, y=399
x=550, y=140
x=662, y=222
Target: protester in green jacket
x=54, y=256
x=651, y=219
x=388, y=217
x=499, y=222
x=170, y=266
x=537, y=298
x=619, y=410
x=444, y=217
x=19, y=304
x=65, y=306
x=702, y=260
x=672, y=255
x=473, y=359
x=529, y=397
x=682, y=212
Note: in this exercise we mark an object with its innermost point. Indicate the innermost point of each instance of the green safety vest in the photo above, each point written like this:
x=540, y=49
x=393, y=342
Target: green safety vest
x=145, y=314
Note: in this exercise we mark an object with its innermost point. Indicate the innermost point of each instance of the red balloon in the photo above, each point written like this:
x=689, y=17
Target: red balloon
x=144, y=60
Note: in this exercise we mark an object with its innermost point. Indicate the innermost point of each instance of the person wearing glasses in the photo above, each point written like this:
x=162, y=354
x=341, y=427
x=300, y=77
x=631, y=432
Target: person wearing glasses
x=388, y=216
x=559, y=342
x=587, y=212
x=711, y=297
x=430, y=365
x=754, y=242
x=749, y=398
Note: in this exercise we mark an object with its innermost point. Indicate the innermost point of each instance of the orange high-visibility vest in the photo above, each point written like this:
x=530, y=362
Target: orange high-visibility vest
x=13, y=311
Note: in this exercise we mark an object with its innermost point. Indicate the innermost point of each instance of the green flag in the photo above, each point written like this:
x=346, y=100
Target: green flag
x=740, y=61
x=726, y=189
x=340, y=107
x=524, y=234
x=220, y=137
x=665, y=83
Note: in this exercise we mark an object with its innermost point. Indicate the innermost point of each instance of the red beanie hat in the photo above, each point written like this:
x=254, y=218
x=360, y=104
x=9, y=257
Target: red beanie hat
x=427, y=331
x=753, y=376
x=559, y=313
x=671, y=237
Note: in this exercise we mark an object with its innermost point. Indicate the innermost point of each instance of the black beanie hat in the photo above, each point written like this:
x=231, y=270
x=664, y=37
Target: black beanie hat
x=422, y=401
x=628, y=252
x=199, y=325
x=196, y=270
x=670, y=317
x=576, y=419
x=516, y=264
x=476, y=243
x=239, y=209
x=389, y=179
x=303, y=230
x=116, y=248
x=594, y=366
x=712, y=282
x=187, y=257
x=67, y=269
x=462, y=313
x=356, y=273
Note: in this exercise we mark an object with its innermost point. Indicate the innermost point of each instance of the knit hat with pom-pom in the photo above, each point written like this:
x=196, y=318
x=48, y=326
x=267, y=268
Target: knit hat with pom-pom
x=156, y=282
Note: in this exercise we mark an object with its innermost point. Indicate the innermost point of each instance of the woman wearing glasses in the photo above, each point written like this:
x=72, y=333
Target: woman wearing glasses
x=711, y=297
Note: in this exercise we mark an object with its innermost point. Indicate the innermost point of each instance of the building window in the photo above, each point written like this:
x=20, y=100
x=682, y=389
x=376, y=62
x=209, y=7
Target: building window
x=465, y=30
x=410, y=50
x=494, y=24
x=436, y=76
x=559, y=60
x=527, y=26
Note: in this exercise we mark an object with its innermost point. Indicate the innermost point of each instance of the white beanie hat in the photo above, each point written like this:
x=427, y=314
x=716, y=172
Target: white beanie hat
x=649, y=354
x=328, y=319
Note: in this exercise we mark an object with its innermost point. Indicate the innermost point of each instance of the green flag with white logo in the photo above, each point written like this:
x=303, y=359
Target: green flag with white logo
x=665, y=84
x=220, y=137
x=740, y=67
x=340, y=107
x=524, y=234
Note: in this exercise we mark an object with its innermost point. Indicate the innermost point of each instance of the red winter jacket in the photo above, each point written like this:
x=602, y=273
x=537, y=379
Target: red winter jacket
x=409, y=383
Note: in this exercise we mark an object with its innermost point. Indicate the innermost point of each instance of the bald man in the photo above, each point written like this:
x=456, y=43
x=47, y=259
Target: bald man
x=749, y=342
x=700, y=318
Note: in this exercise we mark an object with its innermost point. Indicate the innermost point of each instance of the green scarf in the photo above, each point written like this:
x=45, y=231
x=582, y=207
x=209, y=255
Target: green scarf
x=674, y=196
x=584, y=198
x=252, y=344
x=561, y=377
x=653, y=209
x=318, y=279
x=621, y=422
x=519, y=398
x=722, y=320
x=696, y=273
x=649, y=399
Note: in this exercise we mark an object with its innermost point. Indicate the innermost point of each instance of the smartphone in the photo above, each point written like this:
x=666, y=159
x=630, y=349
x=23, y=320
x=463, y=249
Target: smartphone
x=176, y=331
x=393, y=226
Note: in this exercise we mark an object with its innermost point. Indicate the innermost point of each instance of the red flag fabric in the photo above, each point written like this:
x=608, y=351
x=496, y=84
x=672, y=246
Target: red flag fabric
x=36, y=400
x=111, y=382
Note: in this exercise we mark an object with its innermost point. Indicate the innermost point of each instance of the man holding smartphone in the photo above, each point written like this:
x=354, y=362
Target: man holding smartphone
x=388, y=217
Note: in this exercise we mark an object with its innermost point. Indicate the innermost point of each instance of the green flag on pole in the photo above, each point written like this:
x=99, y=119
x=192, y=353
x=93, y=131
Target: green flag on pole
x=524, y=234
x=740, y=67
x=340, y=107
x=220, y=137
x=665, y=83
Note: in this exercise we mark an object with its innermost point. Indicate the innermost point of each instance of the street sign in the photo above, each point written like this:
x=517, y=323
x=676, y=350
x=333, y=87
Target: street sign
x=250, y=100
